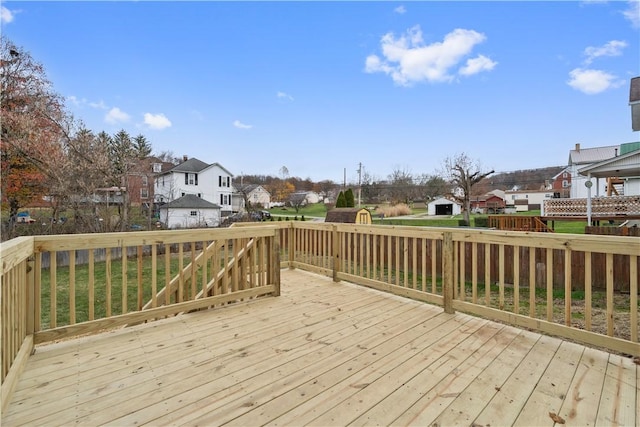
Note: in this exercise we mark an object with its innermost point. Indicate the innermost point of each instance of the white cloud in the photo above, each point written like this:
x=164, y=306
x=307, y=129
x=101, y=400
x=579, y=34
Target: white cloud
x=6, y=15
x=115, y=116
x=408, y=60
x=98, y=105
x=400, y=10
x=612, y=48
x=476, y=65
x=283, y=95
x=156, y=121
x=632, y=14
x=592, y=82
x=241, y=125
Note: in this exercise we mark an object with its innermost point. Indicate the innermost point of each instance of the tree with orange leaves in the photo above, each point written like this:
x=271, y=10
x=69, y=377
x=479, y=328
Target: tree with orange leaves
x=33, y=124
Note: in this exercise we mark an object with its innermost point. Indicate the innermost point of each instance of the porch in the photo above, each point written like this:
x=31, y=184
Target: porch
x=323, y=353
x=204, y=326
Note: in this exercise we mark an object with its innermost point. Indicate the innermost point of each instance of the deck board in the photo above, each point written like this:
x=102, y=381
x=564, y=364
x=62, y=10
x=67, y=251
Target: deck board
x=323, y=353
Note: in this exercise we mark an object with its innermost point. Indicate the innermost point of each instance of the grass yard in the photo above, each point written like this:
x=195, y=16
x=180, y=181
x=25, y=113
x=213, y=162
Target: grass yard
x=107, y=289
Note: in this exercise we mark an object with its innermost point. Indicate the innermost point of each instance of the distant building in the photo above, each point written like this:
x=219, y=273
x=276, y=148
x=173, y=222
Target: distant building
x=256, y=195
x=349, y=215
x=442, y=206
x=527, y=200
x=211, y=182
x=190, y=211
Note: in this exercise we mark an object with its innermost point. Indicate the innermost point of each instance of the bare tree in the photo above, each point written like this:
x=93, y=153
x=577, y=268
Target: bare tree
x=401, y=186
x=463, y=173
x=432, y=186
x=298, y=200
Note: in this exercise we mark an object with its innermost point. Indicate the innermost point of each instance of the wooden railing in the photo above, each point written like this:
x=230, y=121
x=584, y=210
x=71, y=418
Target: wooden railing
x=59, y=286
x=518, y=223
x=612, y=206
x=582, y=287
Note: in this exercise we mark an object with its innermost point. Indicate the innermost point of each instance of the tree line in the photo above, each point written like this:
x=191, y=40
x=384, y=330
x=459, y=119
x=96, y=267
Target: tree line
x=46, y=152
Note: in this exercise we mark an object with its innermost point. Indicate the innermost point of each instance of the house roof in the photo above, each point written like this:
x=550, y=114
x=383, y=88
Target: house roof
x=634, y=102
x=345, y=215
x=190, y=201
x=246, y=188
x=625, y=165
x=194, y=165
x=629, y=147
x=580, y=156
x=634, y=90
x=442, y=201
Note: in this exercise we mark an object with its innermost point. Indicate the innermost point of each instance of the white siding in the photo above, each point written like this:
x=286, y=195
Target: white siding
x=183, y=218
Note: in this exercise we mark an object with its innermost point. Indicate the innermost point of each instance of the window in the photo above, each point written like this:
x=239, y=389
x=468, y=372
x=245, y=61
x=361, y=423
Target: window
x=565, y=183
x=194, y=213
x=564, y=175
x=191, y=179
x=157, y=167
x=144, y=193
x=145, y=180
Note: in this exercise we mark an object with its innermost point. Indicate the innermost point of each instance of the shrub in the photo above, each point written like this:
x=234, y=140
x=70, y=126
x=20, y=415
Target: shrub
x=350, y=199
x=391, y=211
x=481, y=222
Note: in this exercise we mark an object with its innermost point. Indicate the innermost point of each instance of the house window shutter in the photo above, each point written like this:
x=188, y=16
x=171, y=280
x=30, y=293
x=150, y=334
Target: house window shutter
x=219, y=180
x=196, y=179
x=228, y=182
x=186, y=179
x=221, y=200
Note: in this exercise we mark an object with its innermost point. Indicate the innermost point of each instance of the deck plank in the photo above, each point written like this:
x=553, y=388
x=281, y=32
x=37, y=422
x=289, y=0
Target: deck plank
x=617, y=406
x=513, y=395
x=550, y=392
x=323, y=353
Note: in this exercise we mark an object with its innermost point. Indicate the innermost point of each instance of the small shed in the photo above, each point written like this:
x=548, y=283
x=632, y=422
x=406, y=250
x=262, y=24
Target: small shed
x=190, y=211
x=443, y=206
x=349, y=215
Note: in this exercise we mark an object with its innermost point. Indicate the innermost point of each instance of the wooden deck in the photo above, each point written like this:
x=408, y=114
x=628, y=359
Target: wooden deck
x=324, y=353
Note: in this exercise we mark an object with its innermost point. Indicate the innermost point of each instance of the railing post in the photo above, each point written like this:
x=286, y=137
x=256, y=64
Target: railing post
x=31, y=296
x=447, y=271
x=335, y=243
x=275, y=264
x=291, y=244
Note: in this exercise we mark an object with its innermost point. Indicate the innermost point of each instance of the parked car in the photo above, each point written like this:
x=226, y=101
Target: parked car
x=24, y=218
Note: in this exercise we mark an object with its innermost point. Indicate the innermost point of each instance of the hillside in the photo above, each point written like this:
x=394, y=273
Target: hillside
x=526, y=179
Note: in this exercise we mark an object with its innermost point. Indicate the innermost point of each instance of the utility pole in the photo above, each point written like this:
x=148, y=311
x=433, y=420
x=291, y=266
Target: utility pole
x=359, y=183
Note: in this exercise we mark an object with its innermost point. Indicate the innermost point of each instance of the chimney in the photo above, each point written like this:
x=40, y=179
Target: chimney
x=616, y=153
x=578, y=146
x=185, y=157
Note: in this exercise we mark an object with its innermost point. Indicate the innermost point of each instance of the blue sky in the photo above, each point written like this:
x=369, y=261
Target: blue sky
x=323, y=86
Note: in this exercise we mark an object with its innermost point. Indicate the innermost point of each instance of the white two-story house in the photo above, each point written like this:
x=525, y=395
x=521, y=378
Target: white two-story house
x=211, y=182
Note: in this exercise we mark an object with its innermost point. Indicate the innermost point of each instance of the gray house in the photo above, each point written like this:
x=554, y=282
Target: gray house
x=190, y=211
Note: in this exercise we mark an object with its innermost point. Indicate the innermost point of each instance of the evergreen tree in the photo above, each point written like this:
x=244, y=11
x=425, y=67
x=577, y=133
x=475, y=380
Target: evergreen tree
x=341, y=202
x=142, y=146
x=349, y=199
